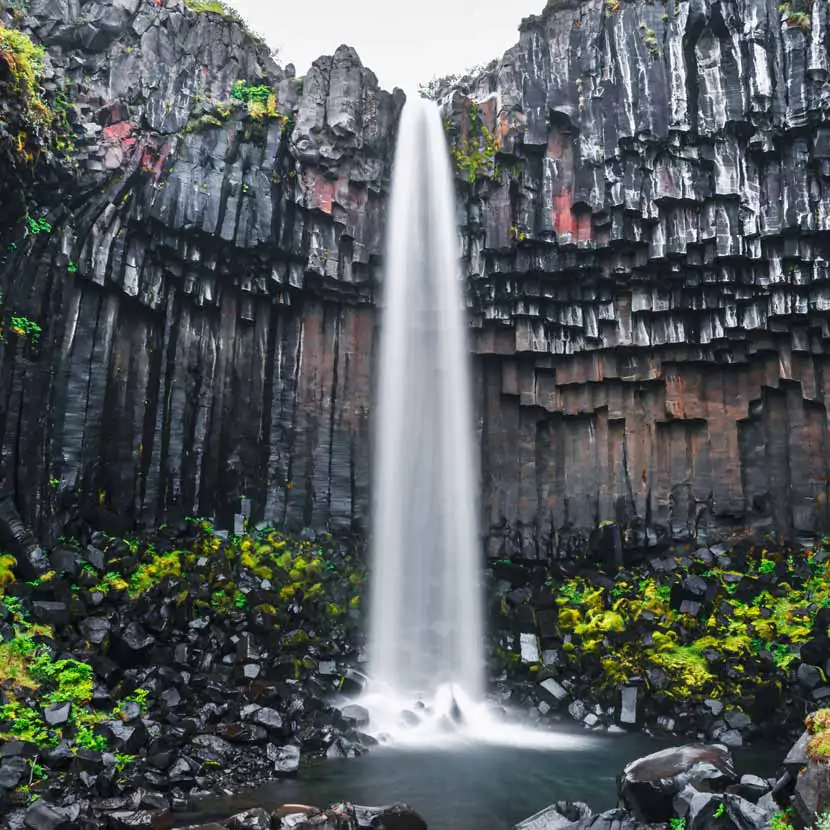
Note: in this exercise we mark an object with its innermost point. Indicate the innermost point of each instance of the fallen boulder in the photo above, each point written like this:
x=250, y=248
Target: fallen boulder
x=649, y=785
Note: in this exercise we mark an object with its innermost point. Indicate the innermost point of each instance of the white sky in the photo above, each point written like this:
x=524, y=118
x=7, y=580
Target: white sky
x=404, y=42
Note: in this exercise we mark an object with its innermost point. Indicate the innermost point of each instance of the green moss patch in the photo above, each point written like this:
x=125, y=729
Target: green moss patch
x=214, y=7
x=23, y=60
x=473, y=153
x=256, y=103
x=689, y=631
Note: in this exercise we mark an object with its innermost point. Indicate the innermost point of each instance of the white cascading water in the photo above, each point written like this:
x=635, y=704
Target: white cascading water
x=426, y=631
x=426, y=636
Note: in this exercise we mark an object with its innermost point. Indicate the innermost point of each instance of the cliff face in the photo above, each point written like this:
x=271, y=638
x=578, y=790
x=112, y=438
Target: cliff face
x=203, y=290
x=642, y=195
x=649, y=271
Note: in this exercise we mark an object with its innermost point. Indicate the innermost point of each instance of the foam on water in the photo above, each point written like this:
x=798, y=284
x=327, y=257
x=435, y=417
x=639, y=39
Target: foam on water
x=450, y=719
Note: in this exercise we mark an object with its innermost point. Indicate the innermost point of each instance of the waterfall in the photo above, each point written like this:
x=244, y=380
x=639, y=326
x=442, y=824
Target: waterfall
x=426, y=610
x=426, y=633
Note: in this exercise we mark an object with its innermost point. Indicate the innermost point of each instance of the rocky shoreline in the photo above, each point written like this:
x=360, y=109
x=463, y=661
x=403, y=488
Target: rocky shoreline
x=139, y=674
x=724, y=644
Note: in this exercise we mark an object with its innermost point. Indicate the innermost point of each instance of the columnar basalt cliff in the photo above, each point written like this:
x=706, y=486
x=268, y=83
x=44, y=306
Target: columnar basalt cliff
x=646, y=239
x=203, y=291
x=644, y=209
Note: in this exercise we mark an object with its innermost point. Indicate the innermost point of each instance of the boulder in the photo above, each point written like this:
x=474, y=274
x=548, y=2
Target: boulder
x=255, y=819
x=745, y=815
x=358, y=715
x=556, y=817
x=392, y=817
x=286, y=759
x=697, y=808
x=12, y=772
x=649, y=785
x=44, y=816
x=136, y=819
x=130, y=647
x=812, y=793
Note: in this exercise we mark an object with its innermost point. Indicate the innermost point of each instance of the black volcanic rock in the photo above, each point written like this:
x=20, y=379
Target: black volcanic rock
x=649, y=785
x=643, y=225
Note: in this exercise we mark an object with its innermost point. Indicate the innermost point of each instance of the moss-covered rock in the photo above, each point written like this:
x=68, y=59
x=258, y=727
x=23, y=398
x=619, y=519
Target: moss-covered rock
x=123, y=630
x=34, y=129
x=688, y=630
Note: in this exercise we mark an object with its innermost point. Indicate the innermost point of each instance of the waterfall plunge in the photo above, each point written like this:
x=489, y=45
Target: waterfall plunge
x=426, y=636
x=426, y=614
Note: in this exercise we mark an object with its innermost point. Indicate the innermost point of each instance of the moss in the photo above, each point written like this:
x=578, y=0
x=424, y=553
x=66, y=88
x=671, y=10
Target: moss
x=686, y=667
x=750, y=634
x=218, y=578
x=34, y=126
x=799, y=19
x=214, y=7
x=151, y=573
x=475, y=154
x=818, y=721
x=25, y=328
x=203, y=122
x=818, y=747
x=7, y=565
x=603, y=621
x=650, y=40
x=781, y=820
x=24, y=61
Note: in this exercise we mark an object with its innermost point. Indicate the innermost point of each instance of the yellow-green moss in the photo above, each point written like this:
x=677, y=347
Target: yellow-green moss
x=686, y=668
x=214, y=7
x=24, y=60
x=151, y=573
x=818, y=747
x=475, y=154
x=730, y=632
x=818, y=721
x=7, y=566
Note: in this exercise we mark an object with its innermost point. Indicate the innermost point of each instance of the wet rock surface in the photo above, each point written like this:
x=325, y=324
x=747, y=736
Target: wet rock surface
x=218, y=237
x=650, y=785
x=692, y=786
x=623, y=240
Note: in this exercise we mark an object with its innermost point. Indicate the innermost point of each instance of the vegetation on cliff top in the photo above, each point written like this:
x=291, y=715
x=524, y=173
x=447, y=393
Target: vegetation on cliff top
x=214, y=6
x=227, y=12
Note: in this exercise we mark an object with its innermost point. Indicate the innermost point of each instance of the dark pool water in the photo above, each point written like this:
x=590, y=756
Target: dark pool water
x=468, y=788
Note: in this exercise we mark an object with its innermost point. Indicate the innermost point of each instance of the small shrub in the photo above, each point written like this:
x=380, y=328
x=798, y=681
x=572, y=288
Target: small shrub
x=25, y=64
x=214, y=7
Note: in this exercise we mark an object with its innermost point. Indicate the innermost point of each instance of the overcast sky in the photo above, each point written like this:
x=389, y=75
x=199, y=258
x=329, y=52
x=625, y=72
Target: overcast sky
x=405, y=42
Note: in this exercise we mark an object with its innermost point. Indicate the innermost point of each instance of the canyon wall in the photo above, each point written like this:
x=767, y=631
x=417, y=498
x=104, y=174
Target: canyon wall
x=643, y=211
